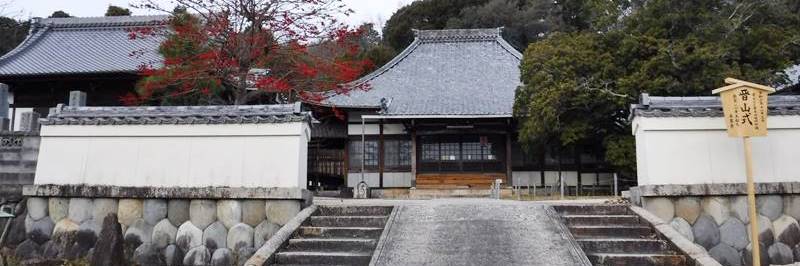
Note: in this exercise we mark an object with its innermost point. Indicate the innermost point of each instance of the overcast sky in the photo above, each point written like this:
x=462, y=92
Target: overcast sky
x=375, y=11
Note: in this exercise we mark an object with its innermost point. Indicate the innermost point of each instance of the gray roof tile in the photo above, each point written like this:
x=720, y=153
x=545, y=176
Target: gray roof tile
x=705, y=106
x=443, y=72
x=154, y=115
x=83, y=45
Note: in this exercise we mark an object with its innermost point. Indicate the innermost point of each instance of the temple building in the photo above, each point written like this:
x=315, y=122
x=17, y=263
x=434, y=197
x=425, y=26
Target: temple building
x=437, y=116
x=440, y=116
x=93, y=55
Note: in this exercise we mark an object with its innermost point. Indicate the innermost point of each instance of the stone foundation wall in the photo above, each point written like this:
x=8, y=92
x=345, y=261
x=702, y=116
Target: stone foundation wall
x=155, y=231
x=720, y=224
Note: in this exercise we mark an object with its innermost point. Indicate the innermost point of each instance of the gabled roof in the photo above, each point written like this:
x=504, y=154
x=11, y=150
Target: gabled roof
x=57, y=46
x=159, y=115
x=458, y=72
x=705, y=106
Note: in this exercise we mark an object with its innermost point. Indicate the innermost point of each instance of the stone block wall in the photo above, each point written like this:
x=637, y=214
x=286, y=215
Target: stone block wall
x=155, y=231
x=720, y=224
x=18, y=154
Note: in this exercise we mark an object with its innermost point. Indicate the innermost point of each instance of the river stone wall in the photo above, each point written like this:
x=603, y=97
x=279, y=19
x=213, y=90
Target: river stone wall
x=155, y=231
x=716, y=218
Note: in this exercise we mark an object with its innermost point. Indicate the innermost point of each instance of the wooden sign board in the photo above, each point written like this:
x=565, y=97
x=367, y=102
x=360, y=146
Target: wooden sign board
x=744, y=106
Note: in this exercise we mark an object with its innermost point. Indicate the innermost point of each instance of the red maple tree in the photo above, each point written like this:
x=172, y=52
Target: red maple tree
x=249, y=52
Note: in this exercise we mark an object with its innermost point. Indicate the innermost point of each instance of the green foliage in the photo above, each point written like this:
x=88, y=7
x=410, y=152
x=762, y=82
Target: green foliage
x=621, y=151
x=578, y=86
x=524, y=21
x=12, y=32
x=60, y=14
x=373, y=48
x=422, y=15
x=113, y=11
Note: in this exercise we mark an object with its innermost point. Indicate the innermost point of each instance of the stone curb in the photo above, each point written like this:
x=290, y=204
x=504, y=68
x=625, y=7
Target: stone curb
x=718, y=189
x=575, y=249
x=93, y=191
x=264, y=255
x=382, y=240
x=695, y=253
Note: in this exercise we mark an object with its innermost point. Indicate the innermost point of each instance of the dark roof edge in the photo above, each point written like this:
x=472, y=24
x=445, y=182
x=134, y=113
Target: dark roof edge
x=703, y=106
x=114, y=21
x=154, y=115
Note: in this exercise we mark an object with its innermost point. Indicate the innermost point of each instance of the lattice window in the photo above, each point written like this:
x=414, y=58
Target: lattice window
x=371, y=148
x=450, y=151
x=10, y=142
x=397, y=153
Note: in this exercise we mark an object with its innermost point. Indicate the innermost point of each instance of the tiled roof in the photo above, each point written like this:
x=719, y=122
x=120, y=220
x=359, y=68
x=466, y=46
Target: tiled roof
x=83, y=45
x=157, y=115
x=443, y=72
x=705, y=106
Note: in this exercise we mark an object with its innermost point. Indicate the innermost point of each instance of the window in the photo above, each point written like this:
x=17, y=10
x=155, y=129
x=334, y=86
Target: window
x=370, y=161
x=397, y=153
x=449, y=152
x=465, y=153
x=430, y=151
x=472, y=151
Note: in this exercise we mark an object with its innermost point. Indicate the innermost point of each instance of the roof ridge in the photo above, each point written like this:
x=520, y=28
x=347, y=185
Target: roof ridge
x=447, y=35
x=113, y=21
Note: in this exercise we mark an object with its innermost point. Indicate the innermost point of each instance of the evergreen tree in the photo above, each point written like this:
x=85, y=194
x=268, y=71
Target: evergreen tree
x=12, y=32
x=60, y=14
x=578, y=86
x=113, y=11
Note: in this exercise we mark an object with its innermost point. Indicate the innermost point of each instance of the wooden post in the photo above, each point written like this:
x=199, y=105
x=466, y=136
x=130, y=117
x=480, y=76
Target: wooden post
x=413, y=151
x=744, y=107
x=509, y=171
x=381, y=155
x=751, y=201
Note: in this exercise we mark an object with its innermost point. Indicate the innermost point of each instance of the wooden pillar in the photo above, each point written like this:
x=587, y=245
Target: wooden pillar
x=413, y=150
x=509, y=171
x=381, y=154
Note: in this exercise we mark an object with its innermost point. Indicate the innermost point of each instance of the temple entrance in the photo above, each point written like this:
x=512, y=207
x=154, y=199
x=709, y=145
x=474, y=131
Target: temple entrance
x=460, y=161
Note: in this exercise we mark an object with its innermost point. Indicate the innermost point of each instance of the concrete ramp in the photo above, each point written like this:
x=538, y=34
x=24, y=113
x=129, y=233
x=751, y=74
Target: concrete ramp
x=477, y=232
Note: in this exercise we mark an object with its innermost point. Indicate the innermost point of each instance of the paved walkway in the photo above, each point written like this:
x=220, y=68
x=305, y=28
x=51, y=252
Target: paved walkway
x=471, y=232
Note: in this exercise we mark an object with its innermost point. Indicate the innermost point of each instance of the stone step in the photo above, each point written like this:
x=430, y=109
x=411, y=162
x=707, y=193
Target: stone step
x=323, y=258
x=354, y=210
x=348, y=221
x=631, y=246
x=332, y=244
x=592, y=209
x=613, y=259
x=602, y=220
x=611, y=231
x=9, y=155
x=339, y=232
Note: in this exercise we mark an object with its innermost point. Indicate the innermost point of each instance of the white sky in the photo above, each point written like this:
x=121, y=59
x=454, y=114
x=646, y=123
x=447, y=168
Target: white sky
x=375, y=11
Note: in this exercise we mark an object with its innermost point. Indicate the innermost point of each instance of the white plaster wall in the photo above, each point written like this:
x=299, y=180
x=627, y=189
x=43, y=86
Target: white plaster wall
x=390, y=179
x=526, y=178
x=374, y=129
x=371, y=178
x=233, y=155
x=698, y=151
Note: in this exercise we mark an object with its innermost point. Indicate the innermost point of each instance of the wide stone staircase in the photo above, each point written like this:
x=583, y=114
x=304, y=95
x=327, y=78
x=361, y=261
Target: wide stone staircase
x=336, y=235
x=614, y=235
